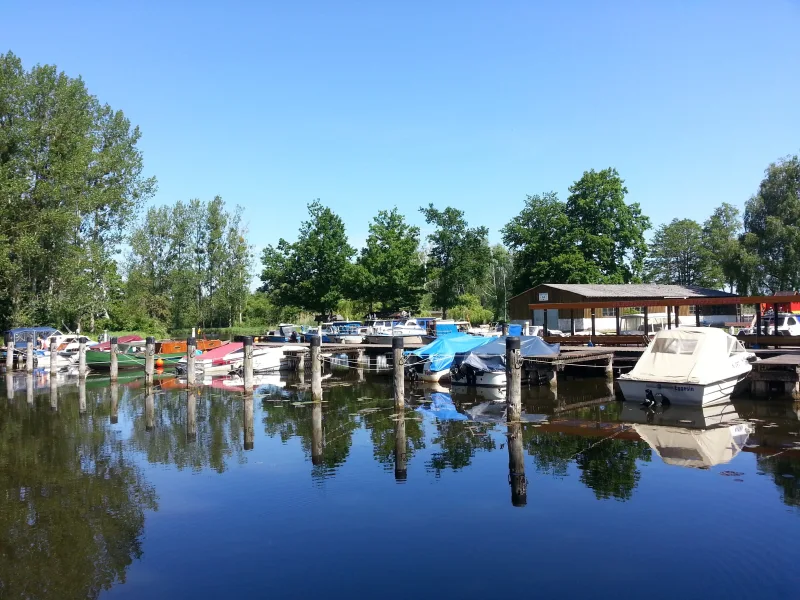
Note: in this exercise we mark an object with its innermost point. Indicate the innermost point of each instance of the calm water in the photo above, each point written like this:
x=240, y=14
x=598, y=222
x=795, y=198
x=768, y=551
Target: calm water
x=113, y=492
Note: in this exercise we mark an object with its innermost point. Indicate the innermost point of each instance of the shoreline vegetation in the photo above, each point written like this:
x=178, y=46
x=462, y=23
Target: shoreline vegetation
x=81, y=247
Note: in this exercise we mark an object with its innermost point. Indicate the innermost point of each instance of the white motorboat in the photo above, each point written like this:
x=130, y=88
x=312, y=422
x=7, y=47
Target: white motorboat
x=230, y=357
x=411, y=331
x=694, y=366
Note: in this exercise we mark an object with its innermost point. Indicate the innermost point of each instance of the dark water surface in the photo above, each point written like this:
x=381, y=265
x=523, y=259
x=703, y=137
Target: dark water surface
x=116, y=493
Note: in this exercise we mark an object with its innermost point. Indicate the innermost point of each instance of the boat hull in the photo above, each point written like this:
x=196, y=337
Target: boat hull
x=685, y=394
x=481, y=379
x=102, y=360
x=387, y=339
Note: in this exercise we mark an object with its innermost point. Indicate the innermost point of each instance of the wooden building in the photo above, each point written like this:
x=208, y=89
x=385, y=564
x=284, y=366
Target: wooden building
x=519, y=306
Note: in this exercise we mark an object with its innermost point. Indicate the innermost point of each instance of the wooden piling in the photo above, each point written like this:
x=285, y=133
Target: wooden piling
x=552, y=378
x=82, y=356
x=113, y=369
x=149, y=359
x=398, y=365
x=316, y=433
x=609, y=370
x=29, y=356
x=191, y=416
x=29, y=388
x=247, y=364
x=9, y=386
x=316, y=367
x=249, y=427
x=594, y=325
x=53, y=358
x=149, y=409
x=400, y=447
x=758, y=324
x=81, y=395
x=53, y=394
x=513, y=379
x=114, y=403
x=9, y=339
x=505, y=329
x=191, y=349
x=516, y=466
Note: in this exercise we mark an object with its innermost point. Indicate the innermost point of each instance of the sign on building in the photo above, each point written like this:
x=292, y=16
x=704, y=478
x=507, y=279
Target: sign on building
x=543, y=296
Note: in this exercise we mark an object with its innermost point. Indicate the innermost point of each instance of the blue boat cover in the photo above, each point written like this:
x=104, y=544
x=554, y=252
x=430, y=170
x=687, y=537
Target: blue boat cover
x=442, y=408
x=442, y=350
x=492, y=356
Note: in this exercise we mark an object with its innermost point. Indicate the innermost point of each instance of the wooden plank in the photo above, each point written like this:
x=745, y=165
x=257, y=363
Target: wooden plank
x=783, y=359
x=770, y=340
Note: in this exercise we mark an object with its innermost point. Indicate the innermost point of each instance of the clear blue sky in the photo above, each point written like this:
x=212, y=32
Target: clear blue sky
x=368, y=105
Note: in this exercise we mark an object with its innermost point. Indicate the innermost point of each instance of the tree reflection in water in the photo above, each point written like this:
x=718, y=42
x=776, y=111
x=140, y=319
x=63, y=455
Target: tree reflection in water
x=73, y=503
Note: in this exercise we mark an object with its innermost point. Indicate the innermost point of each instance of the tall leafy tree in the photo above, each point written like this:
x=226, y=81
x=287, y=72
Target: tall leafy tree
x=458, y=256
x=679, y=256
x=721, y=233
x=772, y=227
x=389, y=271
x=310, y=272
x=499, y=280
x=608, y=232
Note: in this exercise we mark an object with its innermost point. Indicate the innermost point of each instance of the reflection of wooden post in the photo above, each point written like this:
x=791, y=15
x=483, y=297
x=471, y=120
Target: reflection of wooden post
x=516, y=466
x=9, y=339
x=316, y=367
x=513, y=379
x=316, y=432
x=113, y=369
x=191, y=348
x=400, y=447
x=9, y=386
x=114, y=403
x=149, y=359
x=191, y=417
x=29, y=388
x=82, y=356
x=249, y=428
x=53, y=394
x=53, y=357
x=360, y=365
x=247, y=364
x=81, y=395
x=29, y=356
x=149, y=409
x=398, y=362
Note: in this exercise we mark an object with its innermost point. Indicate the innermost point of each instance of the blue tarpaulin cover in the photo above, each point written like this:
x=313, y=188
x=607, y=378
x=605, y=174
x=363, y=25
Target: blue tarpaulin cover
x=492, y=356
x=442, y=350
x=442, y=408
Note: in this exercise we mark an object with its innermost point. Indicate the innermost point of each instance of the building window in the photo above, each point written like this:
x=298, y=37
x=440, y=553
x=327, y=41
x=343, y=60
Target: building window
x=692, y=309
x=608, y=312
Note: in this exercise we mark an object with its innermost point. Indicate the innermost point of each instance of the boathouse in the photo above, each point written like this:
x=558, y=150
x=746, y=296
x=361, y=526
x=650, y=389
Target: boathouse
x=519, y=306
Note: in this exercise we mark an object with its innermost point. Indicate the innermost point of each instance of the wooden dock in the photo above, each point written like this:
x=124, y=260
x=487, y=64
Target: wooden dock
x=777, y=376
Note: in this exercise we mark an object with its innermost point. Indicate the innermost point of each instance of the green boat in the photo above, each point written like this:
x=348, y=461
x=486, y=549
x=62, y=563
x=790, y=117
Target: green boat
x=130, y=358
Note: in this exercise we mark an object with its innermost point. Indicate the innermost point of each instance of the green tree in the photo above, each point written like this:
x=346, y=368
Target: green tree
x=310, y=272
x=458, y=257
x=544, y=246
x=772, y=227
x=70, y=179
x=499, y=279
x=679, y=256
x=721, y=233
x=468, y=307
x=389, y=270
x=609, y=232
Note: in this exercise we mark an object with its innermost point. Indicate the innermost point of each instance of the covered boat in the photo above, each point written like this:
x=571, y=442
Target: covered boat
x=486, y=364
x=433, y=361
x=694, y=366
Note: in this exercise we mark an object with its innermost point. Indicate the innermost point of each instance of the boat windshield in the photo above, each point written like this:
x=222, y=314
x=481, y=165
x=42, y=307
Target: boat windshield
x=674, y=346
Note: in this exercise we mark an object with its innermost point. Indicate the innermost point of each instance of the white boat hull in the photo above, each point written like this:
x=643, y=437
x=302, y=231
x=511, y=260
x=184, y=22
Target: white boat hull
x=435, y=376
x=387, y=339
x=348, y=339
x=486, y=378
x=687, y=394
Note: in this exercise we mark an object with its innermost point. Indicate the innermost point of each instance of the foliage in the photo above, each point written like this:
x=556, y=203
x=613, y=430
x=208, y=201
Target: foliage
x=721, y=232
x=499, y=279
x=772, y=227
x=458, y=256
x=389, y=271
x=70, y=178
x=678, y=255
x=309, y=273
x=469, y=308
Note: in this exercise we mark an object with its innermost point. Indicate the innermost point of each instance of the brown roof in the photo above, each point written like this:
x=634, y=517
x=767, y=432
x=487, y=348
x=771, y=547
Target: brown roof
x=635, y=290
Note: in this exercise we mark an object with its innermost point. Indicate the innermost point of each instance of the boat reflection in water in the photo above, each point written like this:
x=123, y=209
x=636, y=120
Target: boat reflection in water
x=686, y=436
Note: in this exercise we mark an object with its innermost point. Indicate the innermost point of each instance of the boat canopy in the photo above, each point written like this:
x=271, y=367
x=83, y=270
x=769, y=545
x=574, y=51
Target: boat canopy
x=221, y=351
x=21, y=335
x=697, y=448
x=697, y=355
x=492, y=356
x=442, y=350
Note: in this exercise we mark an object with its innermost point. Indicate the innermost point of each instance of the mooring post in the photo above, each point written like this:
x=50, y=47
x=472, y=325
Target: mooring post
x=149, y=409
x=53, y=395
x=114, y=403
x=149, y=359
x=247, y=364
x=552, y=377
x=505, y=329
x=316, y=367
x=316, y=433
x=113, y=368
x=53, y=357
x=545, y=328
x=594, y=323
x=249, y=427
x=9, y=386
x=29, y=356
x=609, y=370
x=81, y=395
x=300, y=362
x=758, y=322
x=398, y=364
x=400, y=447
x=191, y=416
x=513, y=379
x=360, y=365
x=9, y=339
x=82, y=356
x=29, y=388
x=516, y=466
x=191, y=350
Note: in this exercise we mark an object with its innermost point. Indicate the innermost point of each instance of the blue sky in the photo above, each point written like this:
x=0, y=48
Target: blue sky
x=471, y=104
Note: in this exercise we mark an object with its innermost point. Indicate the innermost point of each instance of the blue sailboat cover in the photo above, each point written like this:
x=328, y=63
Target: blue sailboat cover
x=442, y=350
x=492, y=356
